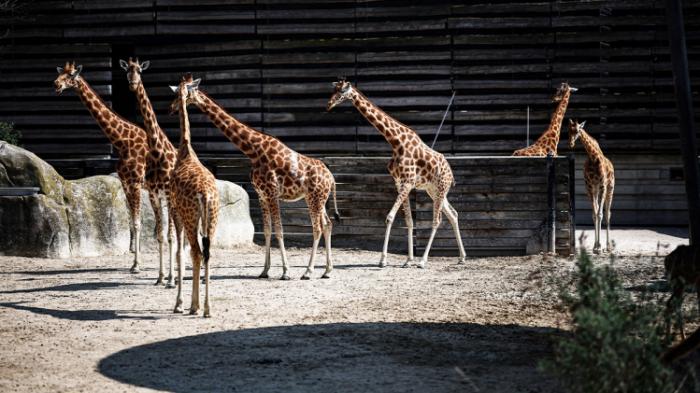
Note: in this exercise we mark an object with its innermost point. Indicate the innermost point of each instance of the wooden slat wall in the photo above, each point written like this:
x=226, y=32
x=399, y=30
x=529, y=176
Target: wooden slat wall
x=502, y=205
x=271, y=63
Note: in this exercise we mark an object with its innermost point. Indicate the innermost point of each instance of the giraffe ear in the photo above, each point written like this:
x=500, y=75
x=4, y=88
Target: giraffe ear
x=77, y=71
x=59, y=70
x=572, y=89
x=173, y=88
x=124, y=65
x=145, y=65
x=582, y=124
x=194, y=85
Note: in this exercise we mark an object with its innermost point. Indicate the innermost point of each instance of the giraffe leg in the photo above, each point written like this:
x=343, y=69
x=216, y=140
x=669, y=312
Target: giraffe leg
x=267, y=228
x=599, y=221
x=404, y=189
x=409, y=226
x=180, y=239
x=608, y=203
x=158, y=216
x=595, y=207
x=196, y=255
x=279, y=234
x=438, y=198
x=133, y=196
x=171, y=243
x=453, y=217
x=316, y=219
x=209, y=219
x=327, y=231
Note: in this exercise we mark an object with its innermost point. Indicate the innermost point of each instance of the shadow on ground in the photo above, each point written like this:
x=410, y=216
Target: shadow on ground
x=344, y=357
x=77, y=315
x=83, y=286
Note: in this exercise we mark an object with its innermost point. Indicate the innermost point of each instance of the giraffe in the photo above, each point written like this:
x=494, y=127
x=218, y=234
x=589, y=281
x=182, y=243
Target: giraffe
x=127, y=138
x=195, y=200
x=682, y=270
x=547, y=143
x=279, y=173
x=160, y=164
x=599, y=174
x=413, y=165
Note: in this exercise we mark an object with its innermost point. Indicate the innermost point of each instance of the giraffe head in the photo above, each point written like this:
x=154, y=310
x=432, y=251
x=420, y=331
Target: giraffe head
x=575, y=129
x=187, y=91
x=133, y=71
x=343, y=91
x=67, y=77
x=562, y=91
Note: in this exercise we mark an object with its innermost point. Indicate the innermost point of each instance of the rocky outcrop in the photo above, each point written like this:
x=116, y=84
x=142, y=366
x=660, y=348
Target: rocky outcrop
x=89, y=217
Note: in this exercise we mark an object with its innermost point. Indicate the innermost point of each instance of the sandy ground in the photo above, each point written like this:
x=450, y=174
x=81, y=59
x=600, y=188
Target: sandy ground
x=89, y=325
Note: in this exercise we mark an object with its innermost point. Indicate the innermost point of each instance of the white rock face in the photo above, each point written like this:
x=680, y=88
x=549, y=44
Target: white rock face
x=89, y=217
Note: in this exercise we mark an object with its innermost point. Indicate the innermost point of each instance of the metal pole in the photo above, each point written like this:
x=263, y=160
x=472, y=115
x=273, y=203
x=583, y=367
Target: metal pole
x=684, y=101
x=572, y=204
x=551, y=203
x=443, y=118
x=527, y=138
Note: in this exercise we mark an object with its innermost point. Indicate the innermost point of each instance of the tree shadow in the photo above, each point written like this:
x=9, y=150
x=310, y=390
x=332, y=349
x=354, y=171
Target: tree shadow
x=66, y=271
x=343, y=357
x=77, y=315
x=83, y=286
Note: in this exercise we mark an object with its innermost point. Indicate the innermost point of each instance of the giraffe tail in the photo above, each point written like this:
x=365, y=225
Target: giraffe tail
x=336, y=215
x=204, y=213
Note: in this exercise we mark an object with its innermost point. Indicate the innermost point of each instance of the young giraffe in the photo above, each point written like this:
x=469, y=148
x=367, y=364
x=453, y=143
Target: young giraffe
x=413, y=165
x=599, y=175
x=279, y=173
x=194, y=198
x=548, y=142
x=128, y=138
x=160, y=164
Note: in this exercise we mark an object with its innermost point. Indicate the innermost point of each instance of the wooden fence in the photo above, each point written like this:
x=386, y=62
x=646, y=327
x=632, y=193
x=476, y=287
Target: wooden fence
x=271, y=63
x=501, y=201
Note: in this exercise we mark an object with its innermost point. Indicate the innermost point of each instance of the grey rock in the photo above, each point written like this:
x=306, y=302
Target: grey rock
x=89, y=217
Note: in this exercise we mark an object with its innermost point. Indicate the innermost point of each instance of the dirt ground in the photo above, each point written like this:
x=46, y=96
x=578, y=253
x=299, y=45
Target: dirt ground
x=483, y=326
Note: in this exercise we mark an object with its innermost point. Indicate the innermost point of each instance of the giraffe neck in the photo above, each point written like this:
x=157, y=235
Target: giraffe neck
x=591, y=145
x=185, y=139
x=550, y=138
x=390, y=128
x=153, y=130
x=103, y=114
x=238, y=133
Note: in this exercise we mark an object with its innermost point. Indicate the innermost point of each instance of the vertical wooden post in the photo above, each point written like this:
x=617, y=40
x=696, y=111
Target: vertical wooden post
x=551, y=203
x=684, y=101
x=572, y=205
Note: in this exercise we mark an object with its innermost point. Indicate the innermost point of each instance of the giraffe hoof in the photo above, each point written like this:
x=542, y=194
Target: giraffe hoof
x=193, y=311
x=178, y=309
x=421, y=265
x=285, y=277
x=159, y=281
x=462, y=261
x=207, y=314
x=135, y=270
x=170, y=285
x=304, y=277
x=326, y=275
x=263, y=275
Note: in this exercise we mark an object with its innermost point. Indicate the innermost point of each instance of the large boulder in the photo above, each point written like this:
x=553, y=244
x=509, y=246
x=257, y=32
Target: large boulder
x=89, y=217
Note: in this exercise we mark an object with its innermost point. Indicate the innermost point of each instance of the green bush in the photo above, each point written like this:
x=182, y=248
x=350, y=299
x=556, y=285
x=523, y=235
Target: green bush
x=9, y=134
x=616, y=341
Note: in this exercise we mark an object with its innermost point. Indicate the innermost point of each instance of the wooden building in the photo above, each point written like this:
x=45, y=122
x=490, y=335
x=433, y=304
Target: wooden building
x=271, y=63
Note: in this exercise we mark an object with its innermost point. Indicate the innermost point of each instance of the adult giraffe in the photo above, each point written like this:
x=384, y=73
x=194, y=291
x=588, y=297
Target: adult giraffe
x=127, y=138
x=160, y=164
x=547, y=143
x=599, y=175
x=413, y=165
x=195, y=201
x=279, y=174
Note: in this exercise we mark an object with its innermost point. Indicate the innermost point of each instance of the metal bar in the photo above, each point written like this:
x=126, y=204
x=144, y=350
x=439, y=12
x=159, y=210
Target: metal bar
x=572, y=205
x=551, y=204
x=684, y=101
x=449, y=104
